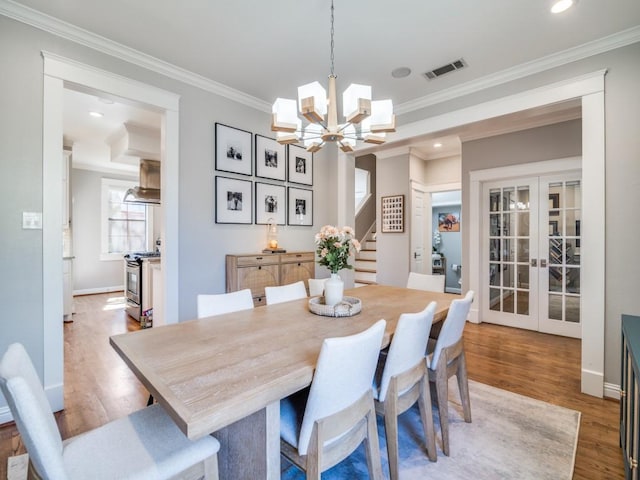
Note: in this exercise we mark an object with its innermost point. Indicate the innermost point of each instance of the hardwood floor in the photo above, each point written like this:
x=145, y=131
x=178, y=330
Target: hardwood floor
x=99, y=387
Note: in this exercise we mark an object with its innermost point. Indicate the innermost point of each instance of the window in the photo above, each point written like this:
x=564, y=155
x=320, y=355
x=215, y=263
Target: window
x=362, y=188
x=124, y=225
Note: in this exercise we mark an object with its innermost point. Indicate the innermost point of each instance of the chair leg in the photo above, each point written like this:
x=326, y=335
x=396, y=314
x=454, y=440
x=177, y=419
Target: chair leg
x=372, y=446
x=424, y=403
x=443, y=402
x=463, y=387
x=211, y=467
x=391, y=432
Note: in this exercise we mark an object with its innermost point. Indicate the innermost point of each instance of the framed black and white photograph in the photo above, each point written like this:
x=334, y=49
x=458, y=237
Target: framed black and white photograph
x=233, y=150
x=300, y=165
x=234, y=202
x=270, y=159
x=270, y=203
x=300, y=210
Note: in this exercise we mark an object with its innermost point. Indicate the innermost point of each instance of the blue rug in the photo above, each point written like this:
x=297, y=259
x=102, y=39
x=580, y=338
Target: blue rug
x=511, y=437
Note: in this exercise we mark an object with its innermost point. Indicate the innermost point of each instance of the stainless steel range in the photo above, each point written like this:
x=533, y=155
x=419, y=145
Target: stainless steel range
x=134, y=282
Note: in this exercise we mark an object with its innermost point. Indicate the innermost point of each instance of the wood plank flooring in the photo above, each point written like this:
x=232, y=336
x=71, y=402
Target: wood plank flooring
x=99, y=387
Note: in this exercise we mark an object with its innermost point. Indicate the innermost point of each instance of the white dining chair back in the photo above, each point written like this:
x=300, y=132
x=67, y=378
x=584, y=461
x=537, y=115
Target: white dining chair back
x=316, y=287
x=339, y=413
x=404, y=381
x=453, y=326
x=145, y=444
x=448, y=359
x=407, y=346
x=217, y=304
x=423, y=281
x=285, y=293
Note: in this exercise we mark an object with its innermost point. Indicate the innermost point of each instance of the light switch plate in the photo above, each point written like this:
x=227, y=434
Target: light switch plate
x=32, y=220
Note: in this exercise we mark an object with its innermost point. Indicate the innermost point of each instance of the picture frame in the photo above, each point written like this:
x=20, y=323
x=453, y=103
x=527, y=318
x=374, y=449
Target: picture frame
x=449, y=222
x=554, y=202
x=233, y=150
x=234, y=202
x=392, y=216
x=300, y=210
x=300, y=164
x=553, y=228
x=270, y=202
x=270, y=158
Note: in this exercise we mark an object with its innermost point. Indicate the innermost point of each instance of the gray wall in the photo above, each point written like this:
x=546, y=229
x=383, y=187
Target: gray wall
x=393, y=248
x=202, y=243
x=89, y=272
x=450, y=245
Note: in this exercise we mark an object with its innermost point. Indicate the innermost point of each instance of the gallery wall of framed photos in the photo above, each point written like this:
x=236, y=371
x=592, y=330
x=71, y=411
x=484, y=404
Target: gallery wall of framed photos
x=273, y=181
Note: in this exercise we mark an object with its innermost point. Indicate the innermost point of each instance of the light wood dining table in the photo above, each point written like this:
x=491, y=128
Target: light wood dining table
x=226, y=374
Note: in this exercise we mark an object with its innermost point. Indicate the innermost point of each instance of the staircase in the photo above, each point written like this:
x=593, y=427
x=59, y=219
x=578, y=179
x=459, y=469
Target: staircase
x=365, y=266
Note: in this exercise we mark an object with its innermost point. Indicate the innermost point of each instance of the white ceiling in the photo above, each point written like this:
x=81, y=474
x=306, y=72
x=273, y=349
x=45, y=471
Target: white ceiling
x=266, y=49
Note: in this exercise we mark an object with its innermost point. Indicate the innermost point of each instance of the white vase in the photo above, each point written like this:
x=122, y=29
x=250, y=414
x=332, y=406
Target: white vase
x=333, y=290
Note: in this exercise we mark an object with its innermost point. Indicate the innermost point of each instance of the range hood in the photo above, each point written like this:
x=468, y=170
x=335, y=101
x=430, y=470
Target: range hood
x=149, y=190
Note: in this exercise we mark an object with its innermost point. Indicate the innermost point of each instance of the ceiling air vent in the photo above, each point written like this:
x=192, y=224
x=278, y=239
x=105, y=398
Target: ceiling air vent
x=444, y=69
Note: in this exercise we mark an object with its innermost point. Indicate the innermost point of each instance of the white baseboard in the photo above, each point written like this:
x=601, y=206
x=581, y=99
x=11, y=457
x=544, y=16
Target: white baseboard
x=54, y=394
x=592, y=383
x=453, y=290
x=611, y=390
x=474, y=316
x=92, y=291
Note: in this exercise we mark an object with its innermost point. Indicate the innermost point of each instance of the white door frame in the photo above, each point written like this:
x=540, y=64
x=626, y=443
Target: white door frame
x=58, y=71
x=589, y=89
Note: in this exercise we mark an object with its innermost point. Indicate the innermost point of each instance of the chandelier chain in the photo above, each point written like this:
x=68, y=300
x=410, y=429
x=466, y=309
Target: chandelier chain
x=332, y=74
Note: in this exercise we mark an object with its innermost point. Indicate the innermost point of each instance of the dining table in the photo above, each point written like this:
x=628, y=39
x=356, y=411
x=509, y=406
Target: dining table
x=225, y=375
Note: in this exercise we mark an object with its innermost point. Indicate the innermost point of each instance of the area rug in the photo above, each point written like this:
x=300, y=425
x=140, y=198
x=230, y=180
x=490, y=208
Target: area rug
x=511, y=437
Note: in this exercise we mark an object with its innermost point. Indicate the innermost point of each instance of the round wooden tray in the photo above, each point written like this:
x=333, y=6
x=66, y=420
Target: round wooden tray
x=348, y=307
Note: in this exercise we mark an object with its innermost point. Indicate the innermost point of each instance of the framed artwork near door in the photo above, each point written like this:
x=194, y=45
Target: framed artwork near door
x=393, y=214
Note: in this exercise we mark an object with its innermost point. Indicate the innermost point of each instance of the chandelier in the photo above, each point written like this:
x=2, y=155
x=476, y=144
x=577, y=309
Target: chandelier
x=365, y=120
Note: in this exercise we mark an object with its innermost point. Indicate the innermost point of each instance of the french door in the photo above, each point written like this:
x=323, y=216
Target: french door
x=531, y=253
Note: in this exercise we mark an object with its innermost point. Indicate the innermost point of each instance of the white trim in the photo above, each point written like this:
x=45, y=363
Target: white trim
x=592, y=382
x=58, y=71
x=5, y=415
x=92, y=40
x=561, y=91
x=134, y=173
x=52, y=279
x=595, y=47
x=390, y=152
x=611, y=390
x=94, y=291
x=78, y=73
x=560, y=165
x=443, y=187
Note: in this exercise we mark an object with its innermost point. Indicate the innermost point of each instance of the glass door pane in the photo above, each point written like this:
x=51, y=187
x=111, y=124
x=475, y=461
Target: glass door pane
x=560, y=248
x=507, y=258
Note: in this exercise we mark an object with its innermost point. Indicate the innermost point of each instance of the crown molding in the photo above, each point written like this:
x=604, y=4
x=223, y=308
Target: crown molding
x=595, y=47
x=84, y=37
x=392, y=152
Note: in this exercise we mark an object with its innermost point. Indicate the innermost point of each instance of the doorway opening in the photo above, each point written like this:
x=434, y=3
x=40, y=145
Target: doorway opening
x=446, y=258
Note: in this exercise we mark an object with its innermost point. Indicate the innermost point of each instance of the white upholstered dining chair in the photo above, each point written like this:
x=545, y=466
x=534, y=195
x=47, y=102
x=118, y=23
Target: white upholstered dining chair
x=144, y=445
x=316, y=286
x=404, y=380
x=423, y=281
x=218, y=304
x=448, y=359
x=322, y=425
x=285, y=293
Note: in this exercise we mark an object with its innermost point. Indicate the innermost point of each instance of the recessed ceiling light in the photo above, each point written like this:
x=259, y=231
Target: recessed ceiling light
x=96, y=114
x=400, y=72
x=562, y=5
x=437, y=145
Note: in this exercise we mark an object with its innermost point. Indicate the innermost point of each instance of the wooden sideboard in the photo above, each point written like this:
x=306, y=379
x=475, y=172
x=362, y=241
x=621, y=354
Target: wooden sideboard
x=629, y=396
x=268, y=269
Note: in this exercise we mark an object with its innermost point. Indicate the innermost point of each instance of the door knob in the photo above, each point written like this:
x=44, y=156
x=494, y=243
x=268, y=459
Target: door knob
x=534, y=262
x=543, y=263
